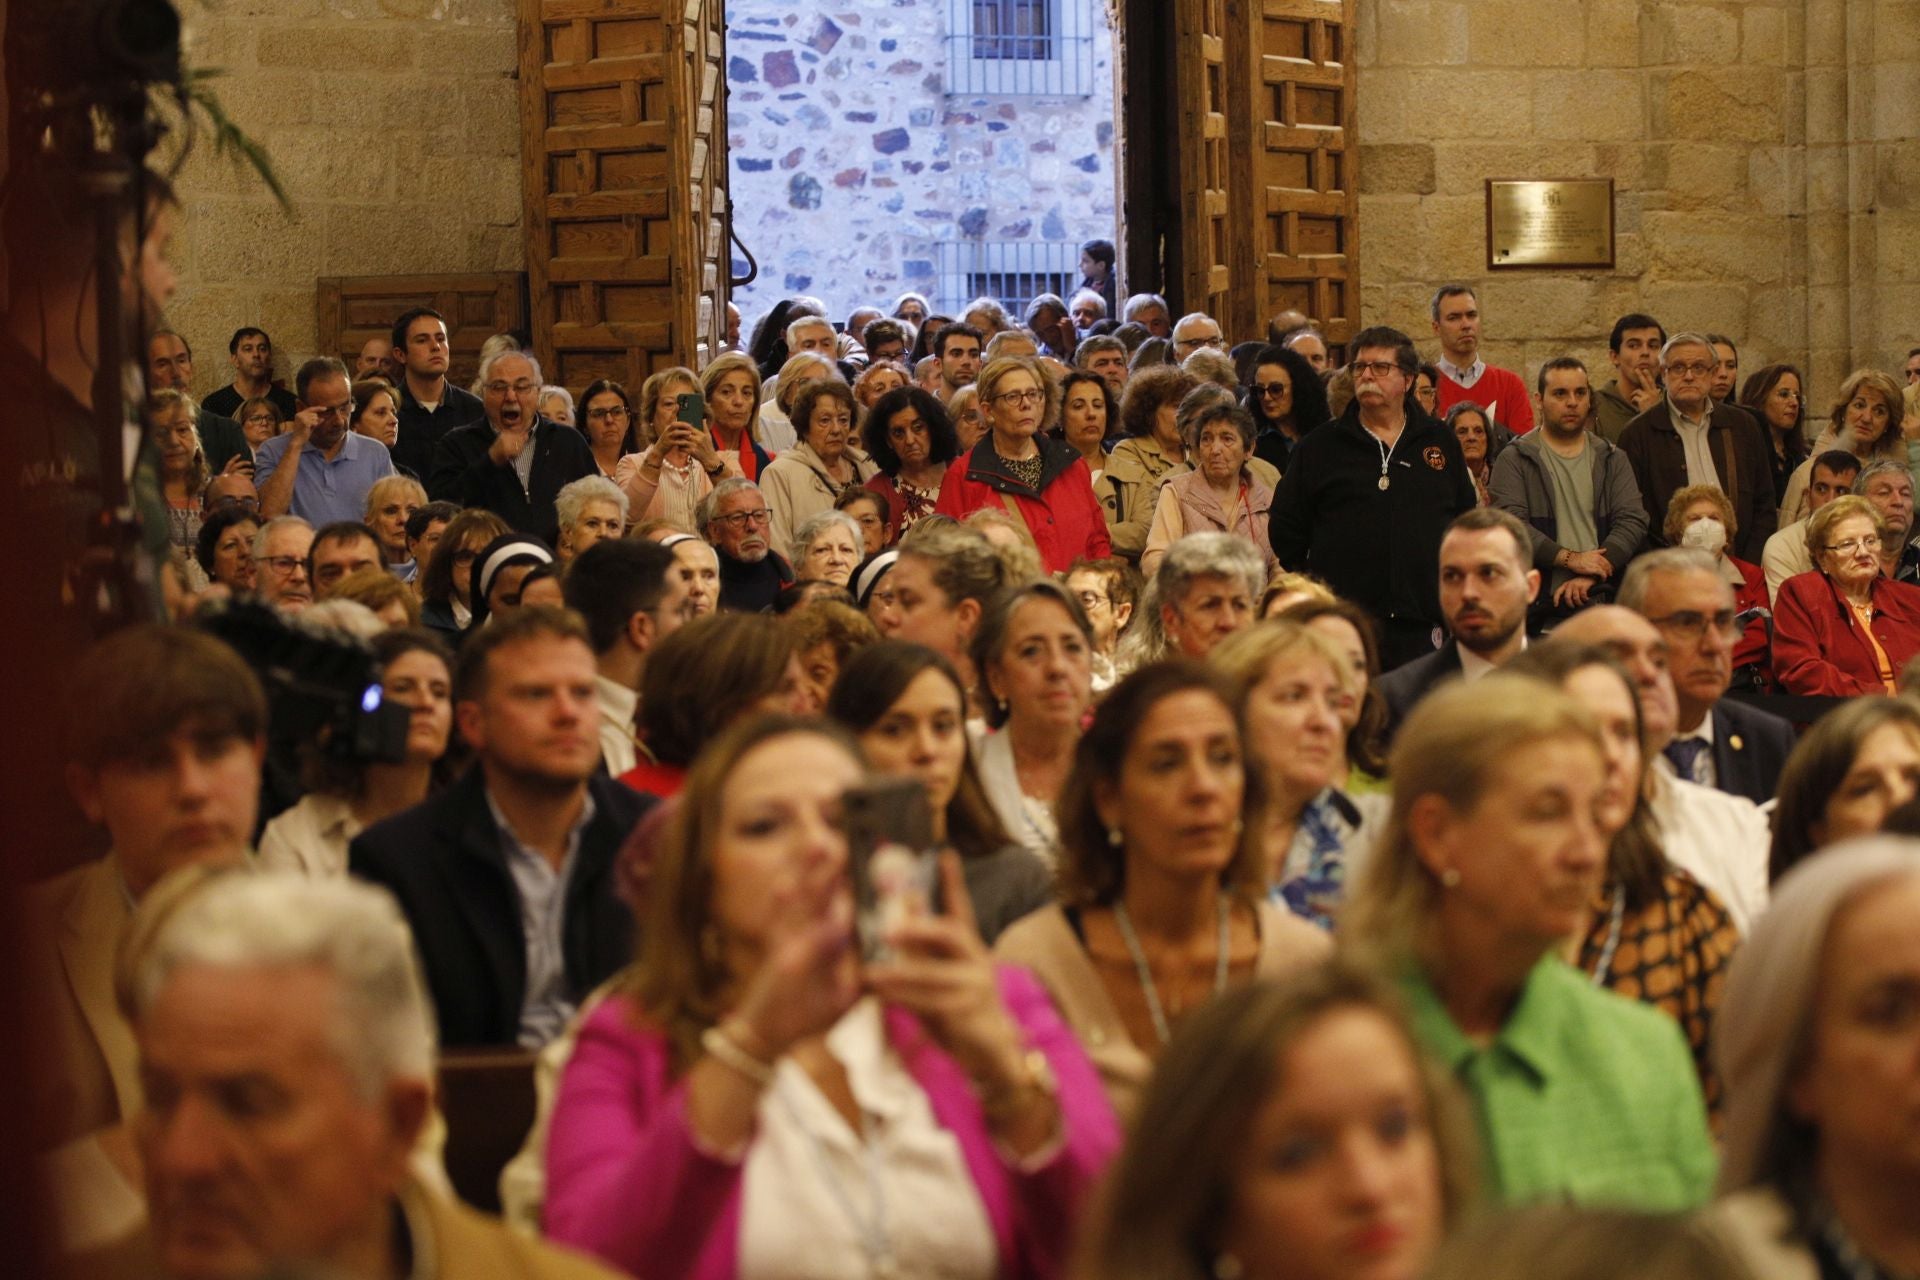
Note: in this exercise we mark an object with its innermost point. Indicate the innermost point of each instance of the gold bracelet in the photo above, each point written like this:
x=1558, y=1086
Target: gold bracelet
x=722, y=1049
x=1036, y=1076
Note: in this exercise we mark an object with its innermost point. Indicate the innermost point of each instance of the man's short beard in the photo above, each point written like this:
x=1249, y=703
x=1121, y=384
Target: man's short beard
x=754, y=557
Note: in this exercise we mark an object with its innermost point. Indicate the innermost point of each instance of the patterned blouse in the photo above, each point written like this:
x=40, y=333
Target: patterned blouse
x=1672, y=954
x=915, y=502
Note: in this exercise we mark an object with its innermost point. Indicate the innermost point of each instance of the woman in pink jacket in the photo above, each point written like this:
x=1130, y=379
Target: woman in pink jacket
x=757, y=1102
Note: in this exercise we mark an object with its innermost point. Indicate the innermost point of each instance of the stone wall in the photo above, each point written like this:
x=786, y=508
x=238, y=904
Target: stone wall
x=393, y=124
x=850, y=162
x=1767, y=177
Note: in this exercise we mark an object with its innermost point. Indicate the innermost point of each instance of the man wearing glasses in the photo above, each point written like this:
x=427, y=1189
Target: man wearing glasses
x=1196, y=330
x=280, y=552
x=735, y=520
x=1366, y=499
x=320, y=469
x=1717, y=742
x=511, y=462
x=1688, y=439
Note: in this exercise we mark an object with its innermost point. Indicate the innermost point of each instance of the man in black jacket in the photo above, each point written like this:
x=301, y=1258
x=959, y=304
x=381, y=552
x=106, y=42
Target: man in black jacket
x=734, y=520
x=430, y=405
x=512, y=462
x=1366, y=499
x=1717, y=741
x=507, y=878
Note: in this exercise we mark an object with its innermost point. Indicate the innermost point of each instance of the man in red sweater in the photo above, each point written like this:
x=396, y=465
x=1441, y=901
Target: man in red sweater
x=1463, y=374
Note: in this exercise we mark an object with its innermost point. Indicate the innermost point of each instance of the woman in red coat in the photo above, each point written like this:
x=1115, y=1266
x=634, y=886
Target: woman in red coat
x=1042, y=482
x=1844, y=628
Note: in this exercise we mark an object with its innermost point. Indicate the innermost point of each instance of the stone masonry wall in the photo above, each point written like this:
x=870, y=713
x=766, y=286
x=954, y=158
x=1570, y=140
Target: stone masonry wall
x=393, y=124
x=850, y=162
x=1767, y=176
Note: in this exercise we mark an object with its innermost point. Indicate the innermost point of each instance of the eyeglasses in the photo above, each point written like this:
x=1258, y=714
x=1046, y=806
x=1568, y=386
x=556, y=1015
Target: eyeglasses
x=1092, y=599
x=1026, y=397
x=744, y=519
x=524, y=387
x=1373, y=368
x=1689, y=625
x=615, y=414
x=1690, y=369
x=1271, y=390
x=1212, y=341
x=1869, y=543
x=282, y=565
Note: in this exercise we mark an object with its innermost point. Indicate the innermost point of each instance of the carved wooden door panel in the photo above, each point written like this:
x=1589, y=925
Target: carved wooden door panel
x=625, y=186
x=1202, y=105
x=1295, y=193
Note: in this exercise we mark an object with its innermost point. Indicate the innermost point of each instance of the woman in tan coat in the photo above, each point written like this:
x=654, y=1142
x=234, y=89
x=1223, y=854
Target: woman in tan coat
x=1225, y=492
x=1162, y=847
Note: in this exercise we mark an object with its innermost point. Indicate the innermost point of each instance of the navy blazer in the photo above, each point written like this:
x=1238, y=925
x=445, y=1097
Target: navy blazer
x=1750, y=747
x=1404, y=686
x=442, y=859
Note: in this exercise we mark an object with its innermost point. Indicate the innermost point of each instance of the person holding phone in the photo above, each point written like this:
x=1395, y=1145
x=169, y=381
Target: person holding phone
x=679, y=465
x=754, y=1093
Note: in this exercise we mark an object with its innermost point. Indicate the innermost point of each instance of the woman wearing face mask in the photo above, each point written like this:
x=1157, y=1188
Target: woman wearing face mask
x=1846, y=628
x=1163, y=885
x=1298, y=692
x=1034, y=653
x=755, y=1100
x=1655, y=933
x=1223, y=491
x=805, y=480
x=1701, y=516
x=1491, y=859
x=1865, y=422
x=1292, y=1131
x=343, y=799
x=1853, y=767
x=905, y=704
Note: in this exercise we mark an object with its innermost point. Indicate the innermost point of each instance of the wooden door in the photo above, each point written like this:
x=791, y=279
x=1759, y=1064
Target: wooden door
x=1201, y=95
x=1292, y=85
x=623, y=145
x=352, y=309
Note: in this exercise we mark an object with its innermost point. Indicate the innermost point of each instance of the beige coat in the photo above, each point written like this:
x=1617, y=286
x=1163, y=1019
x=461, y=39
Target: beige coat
x=1754, y=1226
x=81, y=916
x=1046, y=944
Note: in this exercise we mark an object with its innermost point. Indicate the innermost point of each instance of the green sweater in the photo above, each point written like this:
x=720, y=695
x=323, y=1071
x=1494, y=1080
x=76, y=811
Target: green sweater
x=1584, y=1096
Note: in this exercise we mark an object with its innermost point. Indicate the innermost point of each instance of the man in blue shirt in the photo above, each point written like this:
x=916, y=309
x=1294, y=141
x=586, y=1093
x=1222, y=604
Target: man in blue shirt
x=320, y=469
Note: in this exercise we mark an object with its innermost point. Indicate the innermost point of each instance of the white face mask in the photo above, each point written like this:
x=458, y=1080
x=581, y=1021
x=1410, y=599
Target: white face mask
x=1707, y=535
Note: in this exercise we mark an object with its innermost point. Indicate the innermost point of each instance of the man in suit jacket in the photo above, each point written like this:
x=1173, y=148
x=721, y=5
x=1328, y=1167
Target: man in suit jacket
x=308, y=992
x=508, y=877
x=1717, y=743
x=512, y=462
x=165, y=738
x=1487, y=582
x=1687, y=439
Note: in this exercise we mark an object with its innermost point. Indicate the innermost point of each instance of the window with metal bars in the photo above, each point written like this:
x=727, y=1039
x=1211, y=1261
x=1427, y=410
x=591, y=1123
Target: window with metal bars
x=1020, y=48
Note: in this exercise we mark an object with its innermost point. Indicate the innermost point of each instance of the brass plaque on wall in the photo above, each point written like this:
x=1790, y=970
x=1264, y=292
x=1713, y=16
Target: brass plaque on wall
x=1559, y=223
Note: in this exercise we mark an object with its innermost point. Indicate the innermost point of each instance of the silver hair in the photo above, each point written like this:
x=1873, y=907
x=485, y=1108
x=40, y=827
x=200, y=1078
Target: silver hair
x=1690, y=339
x=573, y=499
x=1213, y=367
x=992, y=309
x=382, y=1023
x=1045, y=302
x=265, y=532
x=710, y=505
x=336, y=618
x=551, y=390
x=1097, y=300
x=1209, y=403
x=820, y=521
x=1140, y=302
x=1879, y=467
x=795, y=326
x=1190, y=318
x=486, y=365
x=1197, y=555
x=1633, y=588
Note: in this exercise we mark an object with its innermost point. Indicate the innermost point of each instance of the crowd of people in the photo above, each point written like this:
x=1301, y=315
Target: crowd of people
x=1384, y=816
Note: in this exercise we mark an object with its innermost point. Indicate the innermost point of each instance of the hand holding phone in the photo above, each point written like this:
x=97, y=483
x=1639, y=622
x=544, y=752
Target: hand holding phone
x=891, y=858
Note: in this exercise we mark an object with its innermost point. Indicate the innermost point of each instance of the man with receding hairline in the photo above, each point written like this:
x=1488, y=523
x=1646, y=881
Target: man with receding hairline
x=1463, y=374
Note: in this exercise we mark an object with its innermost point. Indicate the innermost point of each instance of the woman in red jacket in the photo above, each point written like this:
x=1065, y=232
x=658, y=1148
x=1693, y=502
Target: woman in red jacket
x=1042, y=482
x=1845, y=628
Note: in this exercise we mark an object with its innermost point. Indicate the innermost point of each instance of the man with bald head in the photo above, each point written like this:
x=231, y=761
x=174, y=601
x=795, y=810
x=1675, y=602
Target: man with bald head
x=170, y=366
x=1721, y=840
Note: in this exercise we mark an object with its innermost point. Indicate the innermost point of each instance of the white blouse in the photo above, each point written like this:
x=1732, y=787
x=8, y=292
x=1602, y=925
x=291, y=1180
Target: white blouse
x=311, y=838
x=1029, y=821
x=818, y=1203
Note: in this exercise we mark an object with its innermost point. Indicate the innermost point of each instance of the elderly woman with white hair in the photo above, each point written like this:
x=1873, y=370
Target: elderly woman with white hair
x=827, y=547
x=589, y=509
x=1202, y=592
x=1819, y=1040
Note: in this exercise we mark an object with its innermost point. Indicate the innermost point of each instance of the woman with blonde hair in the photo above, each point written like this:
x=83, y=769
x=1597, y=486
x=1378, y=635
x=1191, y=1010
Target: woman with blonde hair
x=731, y=385
x=1162, y=874
x=1491, y=857
x=1562, y=1242
x=1845, y=628
x=1241, y=1157
x=391, y=502
x=1297, y=693
x=1865, y=421
x=1817, y=1040
x=757, y=1093
x=675, y=464
x=183, y=463
x=1042, y=482
x=1287, y=588
x=963, y=406
x=876, y=380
